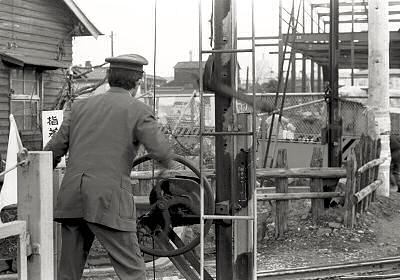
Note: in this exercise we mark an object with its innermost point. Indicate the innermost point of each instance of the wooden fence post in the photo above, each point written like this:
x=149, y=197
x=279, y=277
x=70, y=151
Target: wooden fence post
x=22, y=258
x=57, y=179
x=35, y=206
x=376, y=168
x=369, y=173
x=281, y=205
x=351, y=165
x=316, y=185
x=358, y=149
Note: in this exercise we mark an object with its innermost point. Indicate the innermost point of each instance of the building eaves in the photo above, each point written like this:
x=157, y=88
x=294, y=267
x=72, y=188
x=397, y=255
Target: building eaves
x=82, y=18
x=21, y=60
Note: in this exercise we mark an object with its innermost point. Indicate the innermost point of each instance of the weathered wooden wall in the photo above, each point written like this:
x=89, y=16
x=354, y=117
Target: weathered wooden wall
x=34, y=28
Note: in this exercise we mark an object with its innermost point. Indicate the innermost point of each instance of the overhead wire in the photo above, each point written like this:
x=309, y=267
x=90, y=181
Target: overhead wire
x=154, y=102
x=285, y=86
x=292, y=55
x=279, y=86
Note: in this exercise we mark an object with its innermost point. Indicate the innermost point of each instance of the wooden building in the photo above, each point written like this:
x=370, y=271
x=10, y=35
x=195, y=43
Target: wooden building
x=186, y=74
x=35, y=53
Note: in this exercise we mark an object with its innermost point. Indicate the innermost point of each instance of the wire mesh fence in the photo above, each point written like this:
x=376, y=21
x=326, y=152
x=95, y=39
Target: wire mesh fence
x=180, y=119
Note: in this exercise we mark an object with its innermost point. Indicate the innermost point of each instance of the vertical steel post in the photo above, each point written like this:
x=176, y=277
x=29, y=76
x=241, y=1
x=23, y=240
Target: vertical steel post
x=281, y=55
x=243, y=195
x=223, y=144
x=312, y=18
x=312, y=77
x=319, y=77
x=201, y=140
x=293, y=74
x=352, y=43
x=112, y=43
x=319, y=70
x=334, y=129
x=304, y=59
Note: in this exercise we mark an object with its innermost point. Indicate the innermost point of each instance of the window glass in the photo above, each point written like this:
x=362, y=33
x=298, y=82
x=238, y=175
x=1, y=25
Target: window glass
x=25, y=101
x=24, y=81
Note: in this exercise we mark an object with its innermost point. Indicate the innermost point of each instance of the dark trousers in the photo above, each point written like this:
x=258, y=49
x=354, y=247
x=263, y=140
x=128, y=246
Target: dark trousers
x=395, y=169
x=122, y=247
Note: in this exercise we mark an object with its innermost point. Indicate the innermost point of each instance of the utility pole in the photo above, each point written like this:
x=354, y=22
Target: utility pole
x=335, y=123
x=224, y=146
x=112, y=43
x=378, y=80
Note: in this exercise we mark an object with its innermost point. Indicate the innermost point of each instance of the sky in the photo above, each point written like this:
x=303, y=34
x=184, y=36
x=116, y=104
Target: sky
x=177, y=31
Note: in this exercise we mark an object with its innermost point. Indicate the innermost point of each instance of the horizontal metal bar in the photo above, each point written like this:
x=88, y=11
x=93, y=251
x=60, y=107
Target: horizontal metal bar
x=364, y=13
x=259, y=38
x=294, y=196
x=345, y=3
x=306, y=172
x=228, y=51
x=267, y=45
x=226, y=217
x=233, y=133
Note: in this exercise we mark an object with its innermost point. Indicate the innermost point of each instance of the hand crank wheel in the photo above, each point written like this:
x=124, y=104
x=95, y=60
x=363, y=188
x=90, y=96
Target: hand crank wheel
x=163, y=216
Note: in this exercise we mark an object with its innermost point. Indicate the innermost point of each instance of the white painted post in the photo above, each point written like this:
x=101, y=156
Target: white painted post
x=378, y=76
x=22, y=261
x=35, y=206
x=57, y=179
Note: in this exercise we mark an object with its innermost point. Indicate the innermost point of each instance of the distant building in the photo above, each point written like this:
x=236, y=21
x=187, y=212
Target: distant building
x=361, y=79
x=186, y=74
x=98, y=74
x=150, y=80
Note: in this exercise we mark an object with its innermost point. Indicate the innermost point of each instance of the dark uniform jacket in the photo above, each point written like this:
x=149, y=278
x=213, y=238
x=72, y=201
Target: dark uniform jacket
x=102, y=135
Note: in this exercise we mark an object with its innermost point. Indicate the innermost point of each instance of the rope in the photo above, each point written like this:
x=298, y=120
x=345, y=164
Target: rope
x=24, y=160
x=293, y=107
x=183, y=112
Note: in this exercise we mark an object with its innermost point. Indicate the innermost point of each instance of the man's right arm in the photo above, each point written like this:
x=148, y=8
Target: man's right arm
x=59, y=143
x=155, y=142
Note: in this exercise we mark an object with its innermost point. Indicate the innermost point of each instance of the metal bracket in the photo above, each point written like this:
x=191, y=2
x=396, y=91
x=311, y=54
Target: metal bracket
x=35, y=249
x=222, y=208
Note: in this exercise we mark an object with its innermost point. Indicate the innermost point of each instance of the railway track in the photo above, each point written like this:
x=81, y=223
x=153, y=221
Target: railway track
x=385, y=268
x=337, y=270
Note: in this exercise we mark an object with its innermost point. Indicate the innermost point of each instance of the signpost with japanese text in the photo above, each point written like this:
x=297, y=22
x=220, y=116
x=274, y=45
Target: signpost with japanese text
x=51, y=122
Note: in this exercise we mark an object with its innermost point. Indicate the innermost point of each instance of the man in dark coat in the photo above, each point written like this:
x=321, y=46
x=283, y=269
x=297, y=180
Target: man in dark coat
x=395, y=163
x=102, y=135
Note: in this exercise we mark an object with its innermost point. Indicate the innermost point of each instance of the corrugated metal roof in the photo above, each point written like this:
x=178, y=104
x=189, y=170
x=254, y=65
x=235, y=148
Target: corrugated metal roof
x=82, y=18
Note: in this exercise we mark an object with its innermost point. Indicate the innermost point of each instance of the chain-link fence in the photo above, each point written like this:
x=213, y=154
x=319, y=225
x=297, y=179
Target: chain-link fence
x=304, y=116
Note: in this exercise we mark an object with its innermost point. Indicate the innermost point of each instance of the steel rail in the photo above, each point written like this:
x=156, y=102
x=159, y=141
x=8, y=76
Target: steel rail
x=336, y=270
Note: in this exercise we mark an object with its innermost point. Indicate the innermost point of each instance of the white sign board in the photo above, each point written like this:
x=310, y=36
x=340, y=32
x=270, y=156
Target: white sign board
x=51, y=122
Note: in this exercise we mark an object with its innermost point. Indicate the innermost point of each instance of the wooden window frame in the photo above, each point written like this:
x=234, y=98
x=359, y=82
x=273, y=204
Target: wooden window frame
x=26, y=99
